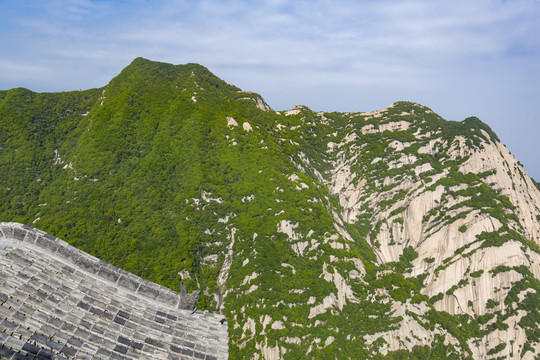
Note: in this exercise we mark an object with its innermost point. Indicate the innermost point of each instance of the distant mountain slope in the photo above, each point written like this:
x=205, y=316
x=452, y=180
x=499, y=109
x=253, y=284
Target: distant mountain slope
x=389, y=234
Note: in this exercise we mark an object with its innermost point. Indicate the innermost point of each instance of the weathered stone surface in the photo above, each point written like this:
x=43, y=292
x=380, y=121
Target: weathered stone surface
x=57, y=302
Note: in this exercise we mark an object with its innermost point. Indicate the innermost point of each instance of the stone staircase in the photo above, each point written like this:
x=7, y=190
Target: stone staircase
x=57, y=302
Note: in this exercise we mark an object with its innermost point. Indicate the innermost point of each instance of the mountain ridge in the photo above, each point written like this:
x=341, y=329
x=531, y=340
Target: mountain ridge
x=360, y=235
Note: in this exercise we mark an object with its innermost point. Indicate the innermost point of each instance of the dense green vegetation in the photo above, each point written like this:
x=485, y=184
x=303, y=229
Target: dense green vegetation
x=172, y=174
x=536, y=183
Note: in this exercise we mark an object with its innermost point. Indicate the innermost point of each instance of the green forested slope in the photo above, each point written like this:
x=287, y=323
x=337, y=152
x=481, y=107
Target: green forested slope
x=280, y=218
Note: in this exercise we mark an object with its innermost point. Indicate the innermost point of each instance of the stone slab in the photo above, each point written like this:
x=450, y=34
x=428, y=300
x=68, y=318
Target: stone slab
x=57, y=302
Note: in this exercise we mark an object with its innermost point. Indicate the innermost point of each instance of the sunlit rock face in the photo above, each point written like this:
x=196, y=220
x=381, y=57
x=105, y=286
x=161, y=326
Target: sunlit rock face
x=469, y=255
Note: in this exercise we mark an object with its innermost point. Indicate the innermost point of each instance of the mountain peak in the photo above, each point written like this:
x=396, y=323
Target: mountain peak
x=142, y=69
x=316, y=234
x=143, y=62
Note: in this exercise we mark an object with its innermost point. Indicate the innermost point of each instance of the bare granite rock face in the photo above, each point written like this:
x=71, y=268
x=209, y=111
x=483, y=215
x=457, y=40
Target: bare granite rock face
x=57, y=302
x=460, y=271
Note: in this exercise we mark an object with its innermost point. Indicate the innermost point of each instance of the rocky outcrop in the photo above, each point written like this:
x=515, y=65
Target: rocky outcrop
x=438, y=218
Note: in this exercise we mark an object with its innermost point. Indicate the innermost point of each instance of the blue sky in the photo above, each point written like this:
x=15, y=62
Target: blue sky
x=460, y=58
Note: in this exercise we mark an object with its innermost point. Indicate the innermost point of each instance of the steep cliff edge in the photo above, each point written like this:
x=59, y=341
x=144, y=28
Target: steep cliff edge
x=456, y=196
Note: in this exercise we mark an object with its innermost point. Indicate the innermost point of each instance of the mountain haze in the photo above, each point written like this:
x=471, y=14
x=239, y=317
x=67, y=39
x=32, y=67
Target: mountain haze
x=388, y=234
